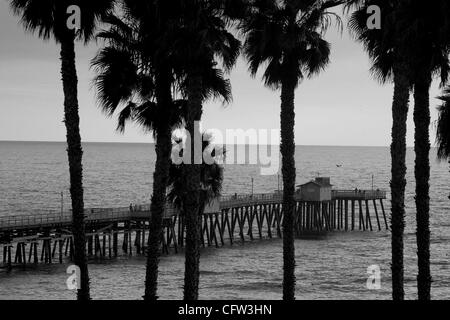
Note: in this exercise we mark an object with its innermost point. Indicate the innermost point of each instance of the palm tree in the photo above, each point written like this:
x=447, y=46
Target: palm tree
x=49, y=19
x=134, y=77
x=387, y=51
x=429, y=33
x=200, y=34
x=211, y=176
x=288, y=36
x=418, y=33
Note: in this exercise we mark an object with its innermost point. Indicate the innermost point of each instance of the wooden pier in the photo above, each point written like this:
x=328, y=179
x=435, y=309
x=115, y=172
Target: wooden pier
x=46, y=237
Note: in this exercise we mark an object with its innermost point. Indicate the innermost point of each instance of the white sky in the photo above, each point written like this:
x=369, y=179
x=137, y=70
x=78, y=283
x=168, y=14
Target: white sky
x=342, y=106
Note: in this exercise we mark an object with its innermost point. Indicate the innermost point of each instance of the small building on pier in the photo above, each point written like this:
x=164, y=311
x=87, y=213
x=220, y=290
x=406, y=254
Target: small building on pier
x=316, y=190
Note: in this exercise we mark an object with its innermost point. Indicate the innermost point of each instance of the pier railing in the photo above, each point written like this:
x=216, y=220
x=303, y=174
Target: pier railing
x=250, y=199
x=52, y=218
x=358, y=194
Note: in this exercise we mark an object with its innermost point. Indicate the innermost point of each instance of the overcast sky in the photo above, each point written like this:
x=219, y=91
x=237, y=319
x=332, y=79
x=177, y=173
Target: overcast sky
x=342, y=106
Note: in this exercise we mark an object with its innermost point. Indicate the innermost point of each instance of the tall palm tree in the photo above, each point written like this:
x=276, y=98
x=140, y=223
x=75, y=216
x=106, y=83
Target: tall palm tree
x=386, y=48
x=429, y=33
x=49, y=20
x=202, y=38
x=288, y=36
x=137, y=79
x=165, y=51
x=418, y=32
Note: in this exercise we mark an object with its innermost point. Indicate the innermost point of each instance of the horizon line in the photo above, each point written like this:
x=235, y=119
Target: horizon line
x=239, y=144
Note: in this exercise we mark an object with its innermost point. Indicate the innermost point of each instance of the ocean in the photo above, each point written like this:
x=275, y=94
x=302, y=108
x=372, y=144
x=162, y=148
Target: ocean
x=34, y=177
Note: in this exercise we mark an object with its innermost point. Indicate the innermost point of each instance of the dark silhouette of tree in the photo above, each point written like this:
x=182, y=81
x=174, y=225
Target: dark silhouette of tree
x=211, y=177
x=388, y=55
x=430, y=35
x=201, y=37
x=418, y=34
x=177, y=43
x=135, y=78
x=49, y=20
x=288, y=36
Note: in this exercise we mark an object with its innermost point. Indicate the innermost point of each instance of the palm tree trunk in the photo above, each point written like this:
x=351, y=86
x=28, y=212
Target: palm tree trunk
x=157, y=209
x=422, y=175
x=192, y=201
x=288, y=170
x=160, y=179
x=75, y=154
x=398, y=182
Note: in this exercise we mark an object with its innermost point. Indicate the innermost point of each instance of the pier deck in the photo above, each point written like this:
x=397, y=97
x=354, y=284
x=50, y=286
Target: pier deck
x=45, y=219
x=236, y=218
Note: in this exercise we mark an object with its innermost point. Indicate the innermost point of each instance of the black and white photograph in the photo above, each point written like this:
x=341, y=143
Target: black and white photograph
x=224, y=150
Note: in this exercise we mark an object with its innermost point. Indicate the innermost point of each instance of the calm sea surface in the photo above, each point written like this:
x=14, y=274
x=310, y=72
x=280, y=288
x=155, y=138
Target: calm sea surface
x=33, y=175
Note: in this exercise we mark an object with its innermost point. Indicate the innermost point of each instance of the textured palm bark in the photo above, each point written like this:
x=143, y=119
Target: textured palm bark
x=400, y=107
x=75, y=154
x=160, y=180
x=422, y=175
x=287, y=148
x=192, y=197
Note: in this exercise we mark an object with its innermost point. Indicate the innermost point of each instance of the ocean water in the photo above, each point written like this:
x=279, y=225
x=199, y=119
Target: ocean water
x=33, y=175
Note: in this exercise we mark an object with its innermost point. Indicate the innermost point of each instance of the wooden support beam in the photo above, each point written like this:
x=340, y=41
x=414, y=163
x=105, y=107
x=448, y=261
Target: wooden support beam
x=109, y=245
x=226, y=219
x=384, y=214
x=35, y=253
x=104, y=245
x=353, y=215
x=125, y=241
x=219, y=227
x=346, y=215
x=115, y=239
x=90, y=244
x=240, y=216
x=9, y=262
x=369, y=221
x=376, y=214
x=137, y=239
x=30, y=252
x=174, y=236
x=130, y=240
x=361, y=216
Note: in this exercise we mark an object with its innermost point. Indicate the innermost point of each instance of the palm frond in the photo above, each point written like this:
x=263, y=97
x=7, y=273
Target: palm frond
x=49, y=18
x=211, y=176
x=286, y=38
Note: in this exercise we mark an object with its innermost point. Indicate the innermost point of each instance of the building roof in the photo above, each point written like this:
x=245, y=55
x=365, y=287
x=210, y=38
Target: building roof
x=317, y=183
